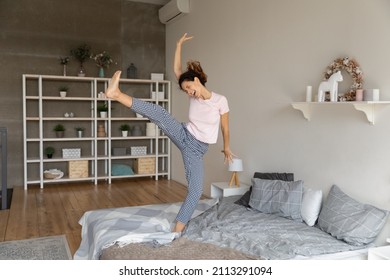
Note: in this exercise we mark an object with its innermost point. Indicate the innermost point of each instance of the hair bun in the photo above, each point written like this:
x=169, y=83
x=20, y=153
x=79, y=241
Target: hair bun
x=194, y=66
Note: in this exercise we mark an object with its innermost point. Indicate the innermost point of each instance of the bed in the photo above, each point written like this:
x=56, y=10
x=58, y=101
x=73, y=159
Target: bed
x=277, y=219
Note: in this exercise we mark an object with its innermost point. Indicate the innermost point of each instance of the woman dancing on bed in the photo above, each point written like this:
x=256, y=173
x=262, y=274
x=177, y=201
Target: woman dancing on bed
x=207, y=111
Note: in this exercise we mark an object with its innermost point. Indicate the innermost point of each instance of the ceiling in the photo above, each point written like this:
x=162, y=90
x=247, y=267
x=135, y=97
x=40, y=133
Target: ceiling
x=156, y=2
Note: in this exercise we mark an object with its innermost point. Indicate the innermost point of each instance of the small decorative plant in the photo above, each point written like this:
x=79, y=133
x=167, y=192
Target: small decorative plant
x=102, y=59
x=102, y=107
x=124, y=127
x=59, y=127
x=64, y=60
x=49, y=152
x=63, y=88
x=81, y=53
x=79, y=131
x=59, y=130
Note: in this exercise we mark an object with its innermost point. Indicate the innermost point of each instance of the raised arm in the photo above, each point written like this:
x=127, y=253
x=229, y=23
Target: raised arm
x=177, y=62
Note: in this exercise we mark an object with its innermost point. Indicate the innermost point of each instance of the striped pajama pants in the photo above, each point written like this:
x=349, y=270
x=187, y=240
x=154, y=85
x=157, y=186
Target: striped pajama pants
x=192, y=151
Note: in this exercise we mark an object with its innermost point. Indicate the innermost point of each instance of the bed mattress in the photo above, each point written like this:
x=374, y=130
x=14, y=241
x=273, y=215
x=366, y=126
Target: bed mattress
x=218, y=230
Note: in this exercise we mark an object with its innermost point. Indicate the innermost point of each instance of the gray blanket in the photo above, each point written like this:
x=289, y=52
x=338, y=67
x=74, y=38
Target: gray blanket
x=230, y=231
x=267, y=236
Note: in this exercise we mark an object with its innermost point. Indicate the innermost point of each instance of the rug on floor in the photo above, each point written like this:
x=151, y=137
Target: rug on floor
x=43, y=248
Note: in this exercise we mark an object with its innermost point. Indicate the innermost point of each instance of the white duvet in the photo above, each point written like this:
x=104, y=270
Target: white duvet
x=106, y=227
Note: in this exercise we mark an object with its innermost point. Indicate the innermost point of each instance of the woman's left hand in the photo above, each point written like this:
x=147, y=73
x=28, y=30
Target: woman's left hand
x=228, y=156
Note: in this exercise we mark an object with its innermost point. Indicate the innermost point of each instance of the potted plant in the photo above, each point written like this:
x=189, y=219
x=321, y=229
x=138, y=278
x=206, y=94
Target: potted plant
x=81, y=53
x=103, y=109
x=79, y=131
x=125, y=128
x=63, y=90
x=102, y=60
x=64, y=61
x=49, y=152
x=59, y=130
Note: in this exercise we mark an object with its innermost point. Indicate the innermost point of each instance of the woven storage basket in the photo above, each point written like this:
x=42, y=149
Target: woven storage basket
x=53, y=174
x=49, y=175
x=145, y=165
x=78, y=169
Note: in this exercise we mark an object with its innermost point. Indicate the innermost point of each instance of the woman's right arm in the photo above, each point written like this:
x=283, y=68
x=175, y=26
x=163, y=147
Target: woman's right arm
x=177, y=62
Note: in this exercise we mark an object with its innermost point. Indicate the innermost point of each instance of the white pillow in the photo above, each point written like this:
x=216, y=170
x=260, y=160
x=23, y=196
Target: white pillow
x=311, y=205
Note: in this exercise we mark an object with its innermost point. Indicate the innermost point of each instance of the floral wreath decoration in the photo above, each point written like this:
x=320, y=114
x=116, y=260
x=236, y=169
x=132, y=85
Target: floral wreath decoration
x=353, y=68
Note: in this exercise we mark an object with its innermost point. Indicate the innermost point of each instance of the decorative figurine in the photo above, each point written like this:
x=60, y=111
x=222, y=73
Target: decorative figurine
x=330, y=85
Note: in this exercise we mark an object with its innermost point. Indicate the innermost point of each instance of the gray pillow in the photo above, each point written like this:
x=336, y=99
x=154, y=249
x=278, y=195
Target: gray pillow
x=349, y=220
x=244, y=200
x=277, y=197
x=121, y=170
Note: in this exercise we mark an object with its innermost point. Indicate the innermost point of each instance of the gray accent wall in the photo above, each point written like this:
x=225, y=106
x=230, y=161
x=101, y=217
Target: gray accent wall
x=34, y=34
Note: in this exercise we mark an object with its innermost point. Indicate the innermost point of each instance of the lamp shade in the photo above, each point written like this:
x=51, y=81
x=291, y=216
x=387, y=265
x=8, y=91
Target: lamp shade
x=236, y=165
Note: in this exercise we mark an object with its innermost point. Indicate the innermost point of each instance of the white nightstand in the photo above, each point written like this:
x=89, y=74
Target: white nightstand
x=222, y=189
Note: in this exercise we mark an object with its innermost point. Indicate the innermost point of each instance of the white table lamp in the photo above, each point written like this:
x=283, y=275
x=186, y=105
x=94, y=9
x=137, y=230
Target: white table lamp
x=235, y=166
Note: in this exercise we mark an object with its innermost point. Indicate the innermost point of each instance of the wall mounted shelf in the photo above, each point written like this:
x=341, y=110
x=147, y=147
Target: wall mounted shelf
x=369, y=108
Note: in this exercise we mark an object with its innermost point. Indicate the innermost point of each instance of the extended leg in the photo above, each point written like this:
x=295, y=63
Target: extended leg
x=114, y=92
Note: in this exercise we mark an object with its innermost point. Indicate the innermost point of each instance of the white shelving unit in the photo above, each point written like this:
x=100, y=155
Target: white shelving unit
x=43, y=108
x=369, y=108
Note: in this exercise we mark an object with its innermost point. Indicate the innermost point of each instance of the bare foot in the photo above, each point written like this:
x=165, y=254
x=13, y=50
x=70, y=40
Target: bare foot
x=113, y=86
x=179, y=227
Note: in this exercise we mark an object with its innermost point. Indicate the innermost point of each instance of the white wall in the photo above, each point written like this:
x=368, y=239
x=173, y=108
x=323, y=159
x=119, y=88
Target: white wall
x=261, y=54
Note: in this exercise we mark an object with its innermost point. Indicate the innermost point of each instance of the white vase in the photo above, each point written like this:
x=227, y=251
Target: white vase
x=79, y=133
x=81, y=72
x=103, y=114
x=63, y=94
x=125, y=133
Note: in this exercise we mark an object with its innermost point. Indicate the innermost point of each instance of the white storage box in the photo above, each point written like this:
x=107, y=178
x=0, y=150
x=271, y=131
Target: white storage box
x=71, y=153
x=160, y=95
x=138, y=151
x=157, y=76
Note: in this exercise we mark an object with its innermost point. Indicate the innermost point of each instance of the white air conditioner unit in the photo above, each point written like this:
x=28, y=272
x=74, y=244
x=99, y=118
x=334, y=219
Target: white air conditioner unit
x=173, y=10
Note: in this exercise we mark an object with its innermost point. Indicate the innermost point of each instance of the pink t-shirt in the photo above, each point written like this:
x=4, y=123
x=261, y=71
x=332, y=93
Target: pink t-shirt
x=205, y=116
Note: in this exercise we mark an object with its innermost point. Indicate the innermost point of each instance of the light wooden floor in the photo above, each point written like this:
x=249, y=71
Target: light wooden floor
x=56, y=209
